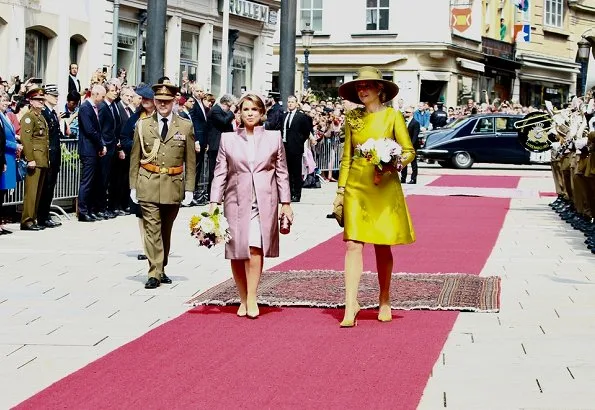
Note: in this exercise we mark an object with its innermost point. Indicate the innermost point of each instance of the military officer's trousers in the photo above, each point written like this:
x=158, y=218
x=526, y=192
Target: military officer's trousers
x=33, y=187
x=158, y=220
x=558, y=179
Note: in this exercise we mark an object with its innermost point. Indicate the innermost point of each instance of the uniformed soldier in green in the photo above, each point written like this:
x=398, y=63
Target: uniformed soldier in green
x=35, y=140
x=162, y=172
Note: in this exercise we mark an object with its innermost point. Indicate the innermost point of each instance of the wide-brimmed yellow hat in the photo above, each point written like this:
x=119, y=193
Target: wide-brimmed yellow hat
x=367, y=73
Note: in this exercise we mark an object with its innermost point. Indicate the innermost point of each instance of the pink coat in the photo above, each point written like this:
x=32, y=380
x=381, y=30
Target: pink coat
x=233, y=181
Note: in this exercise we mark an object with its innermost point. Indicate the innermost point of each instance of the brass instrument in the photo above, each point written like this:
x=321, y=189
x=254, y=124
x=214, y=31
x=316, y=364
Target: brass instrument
x=530, y=121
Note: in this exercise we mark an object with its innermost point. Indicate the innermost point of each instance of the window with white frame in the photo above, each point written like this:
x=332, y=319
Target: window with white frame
x=554, y=13
x=377, y=15
x=311, y=12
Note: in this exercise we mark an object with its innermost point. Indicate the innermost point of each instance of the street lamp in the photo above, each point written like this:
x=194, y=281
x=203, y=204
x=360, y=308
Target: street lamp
x=307, y=36
x=584, y=49
x=585, y=45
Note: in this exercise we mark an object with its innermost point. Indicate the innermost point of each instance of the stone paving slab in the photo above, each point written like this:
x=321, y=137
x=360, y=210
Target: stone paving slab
x=538, y=353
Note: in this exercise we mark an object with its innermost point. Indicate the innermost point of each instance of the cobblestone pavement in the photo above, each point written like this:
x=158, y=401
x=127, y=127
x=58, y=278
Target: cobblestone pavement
x=72, y=294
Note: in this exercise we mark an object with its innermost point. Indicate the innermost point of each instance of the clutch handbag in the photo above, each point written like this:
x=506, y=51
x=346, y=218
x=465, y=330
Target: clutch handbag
x=285, y=223
x=21, y=169
x=338, y=210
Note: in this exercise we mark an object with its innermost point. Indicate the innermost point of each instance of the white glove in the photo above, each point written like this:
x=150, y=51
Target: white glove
x=133, y=196
x=188, y=197
x=581, y=143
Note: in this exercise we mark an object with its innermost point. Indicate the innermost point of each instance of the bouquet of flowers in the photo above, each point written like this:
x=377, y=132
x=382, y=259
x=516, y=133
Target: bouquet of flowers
x=210, y=229
x=384, y=154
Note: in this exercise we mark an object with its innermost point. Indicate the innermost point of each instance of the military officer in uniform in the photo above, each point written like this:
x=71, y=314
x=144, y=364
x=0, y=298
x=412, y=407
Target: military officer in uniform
x=162, y=176
x=35, y=140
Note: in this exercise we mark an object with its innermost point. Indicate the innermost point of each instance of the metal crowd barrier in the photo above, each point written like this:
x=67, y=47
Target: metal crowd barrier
x=327, y=154
x=68, y=178
x=67, y=186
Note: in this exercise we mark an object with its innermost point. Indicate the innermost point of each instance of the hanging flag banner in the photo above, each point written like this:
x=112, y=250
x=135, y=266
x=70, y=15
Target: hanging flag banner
x=465, y=18
x=522, y=33
x=522, y=26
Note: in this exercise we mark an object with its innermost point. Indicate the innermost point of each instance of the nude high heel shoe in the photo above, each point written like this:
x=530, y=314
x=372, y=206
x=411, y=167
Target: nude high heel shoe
x=385, y=313
x=350, y=323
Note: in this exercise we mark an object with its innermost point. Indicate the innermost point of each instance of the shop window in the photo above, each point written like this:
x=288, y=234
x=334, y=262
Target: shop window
x=377, y=12
x=216, y=69
x=241, y=69
x=127, y=50
x=311, y=12
x=554, y=13
x=36, y=54
x=188, y=57
x=189, y=50
x=467, y=89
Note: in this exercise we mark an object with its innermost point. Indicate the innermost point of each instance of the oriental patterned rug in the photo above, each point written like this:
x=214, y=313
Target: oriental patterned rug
x=325, y=288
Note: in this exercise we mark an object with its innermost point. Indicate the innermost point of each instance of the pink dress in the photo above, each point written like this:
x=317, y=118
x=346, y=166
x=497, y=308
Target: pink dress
x=251, y=189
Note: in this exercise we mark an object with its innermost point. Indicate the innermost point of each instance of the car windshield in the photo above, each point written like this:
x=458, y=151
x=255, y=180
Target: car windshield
x=456, y=122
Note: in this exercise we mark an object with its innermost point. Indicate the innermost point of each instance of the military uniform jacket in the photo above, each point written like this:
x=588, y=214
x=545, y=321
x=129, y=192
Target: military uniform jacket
x=35, y=139
x=54, y=132
x=177, y=149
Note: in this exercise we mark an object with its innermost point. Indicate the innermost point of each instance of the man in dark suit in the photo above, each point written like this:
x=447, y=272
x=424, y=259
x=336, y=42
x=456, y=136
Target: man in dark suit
x=198, y=116
x=220, y=119
x=74, y=85
x=297, y=128
x=91, y=149
x=55, y=134
x=111, y=124
x=413, y=126
x=118, y=200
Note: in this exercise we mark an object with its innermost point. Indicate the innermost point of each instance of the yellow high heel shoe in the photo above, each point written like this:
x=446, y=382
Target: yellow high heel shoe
x=350, y=323
x=385, y=315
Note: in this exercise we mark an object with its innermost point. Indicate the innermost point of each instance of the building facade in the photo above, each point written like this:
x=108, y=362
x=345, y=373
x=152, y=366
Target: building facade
x=108, y=34
x=547, y=50
x=451, y=51
x=43, y=37
x=432, y=50
x=194, y=35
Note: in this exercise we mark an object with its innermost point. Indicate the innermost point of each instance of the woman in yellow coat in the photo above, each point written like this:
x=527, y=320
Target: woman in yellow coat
x=373, y=213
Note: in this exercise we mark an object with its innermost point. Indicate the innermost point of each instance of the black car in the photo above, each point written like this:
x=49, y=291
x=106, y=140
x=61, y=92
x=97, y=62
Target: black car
x=476, y=138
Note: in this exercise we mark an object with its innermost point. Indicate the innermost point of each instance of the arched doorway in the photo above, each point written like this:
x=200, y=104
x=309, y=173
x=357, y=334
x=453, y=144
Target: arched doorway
x=36, y=53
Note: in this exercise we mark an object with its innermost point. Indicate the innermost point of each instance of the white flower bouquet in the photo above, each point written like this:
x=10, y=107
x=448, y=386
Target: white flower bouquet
x=385, y=154
x=210, y=229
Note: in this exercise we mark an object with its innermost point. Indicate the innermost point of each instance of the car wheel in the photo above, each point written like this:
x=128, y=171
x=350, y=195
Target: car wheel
x=462, y=160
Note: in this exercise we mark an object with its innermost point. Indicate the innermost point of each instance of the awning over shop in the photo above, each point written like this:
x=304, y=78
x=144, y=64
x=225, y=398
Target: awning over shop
x=434, y=76
x=471, y=65
x=346, y=59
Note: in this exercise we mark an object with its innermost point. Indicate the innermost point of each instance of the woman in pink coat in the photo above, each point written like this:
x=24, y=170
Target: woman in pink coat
x=251, y=174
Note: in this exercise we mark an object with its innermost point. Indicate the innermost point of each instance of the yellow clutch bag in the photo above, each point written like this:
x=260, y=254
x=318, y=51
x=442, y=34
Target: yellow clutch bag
x=338, y=209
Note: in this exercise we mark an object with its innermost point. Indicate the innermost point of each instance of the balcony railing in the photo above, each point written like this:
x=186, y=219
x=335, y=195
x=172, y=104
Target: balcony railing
x=497, y=48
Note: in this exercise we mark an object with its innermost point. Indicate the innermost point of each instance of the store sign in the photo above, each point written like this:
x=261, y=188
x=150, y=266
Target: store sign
x=249, y=9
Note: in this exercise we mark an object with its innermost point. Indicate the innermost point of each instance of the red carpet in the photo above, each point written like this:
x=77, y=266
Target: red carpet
x=543, y=194
x=296, y=357
x=480, y=181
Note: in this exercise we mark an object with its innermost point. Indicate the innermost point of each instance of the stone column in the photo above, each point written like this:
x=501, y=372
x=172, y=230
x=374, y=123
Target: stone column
x=205, y=56
x=173, y=49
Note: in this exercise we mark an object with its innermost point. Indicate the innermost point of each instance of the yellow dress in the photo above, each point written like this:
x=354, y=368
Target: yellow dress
x=375, y=214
